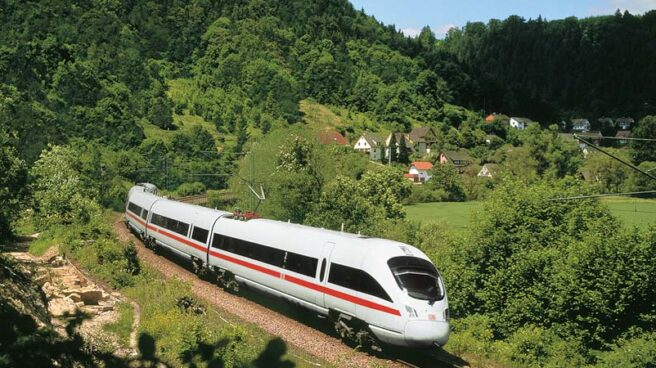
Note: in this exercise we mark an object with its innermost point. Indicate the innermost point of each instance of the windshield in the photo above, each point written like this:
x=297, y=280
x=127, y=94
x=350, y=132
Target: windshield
x=417, y=277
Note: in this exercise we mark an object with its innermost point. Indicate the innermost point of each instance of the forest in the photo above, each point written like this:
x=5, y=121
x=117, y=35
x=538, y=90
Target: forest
x=98, y=95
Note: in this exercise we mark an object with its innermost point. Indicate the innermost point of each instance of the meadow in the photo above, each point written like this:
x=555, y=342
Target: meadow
x=631, y=211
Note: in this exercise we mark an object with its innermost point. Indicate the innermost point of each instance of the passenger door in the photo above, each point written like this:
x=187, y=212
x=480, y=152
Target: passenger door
x=322, y=276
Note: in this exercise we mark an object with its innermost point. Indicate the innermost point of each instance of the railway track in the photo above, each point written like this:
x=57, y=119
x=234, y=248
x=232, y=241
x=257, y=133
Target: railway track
x=296, y=327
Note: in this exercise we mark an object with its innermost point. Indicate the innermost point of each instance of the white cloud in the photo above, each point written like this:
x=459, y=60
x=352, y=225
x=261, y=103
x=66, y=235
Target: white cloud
x=411, y=32
x=633, y=6
x=441, y=31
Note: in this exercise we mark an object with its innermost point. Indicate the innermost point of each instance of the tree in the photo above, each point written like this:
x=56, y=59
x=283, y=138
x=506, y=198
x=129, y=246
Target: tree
x=59, y=194
x=12, y=183
x=403, y=151
x=644, y=150
x=363, y=206
x=445, y=177
x=392, y=146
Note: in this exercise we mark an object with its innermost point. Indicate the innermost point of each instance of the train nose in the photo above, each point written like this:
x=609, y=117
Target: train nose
x=426, y=333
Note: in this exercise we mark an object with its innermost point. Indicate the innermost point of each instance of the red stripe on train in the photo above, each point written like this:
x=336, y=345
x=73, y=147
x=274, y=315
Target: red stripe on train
x=139, y=220
x=290, y=278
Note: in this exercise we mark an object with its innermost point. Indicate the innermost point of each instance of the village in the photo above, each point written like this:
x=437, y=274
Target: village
x=483, y=156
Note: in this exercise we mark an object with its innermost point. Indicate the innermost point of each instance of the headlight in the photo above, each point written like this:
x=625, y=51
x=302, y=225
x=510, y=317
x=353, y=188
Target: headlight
x=411, y=311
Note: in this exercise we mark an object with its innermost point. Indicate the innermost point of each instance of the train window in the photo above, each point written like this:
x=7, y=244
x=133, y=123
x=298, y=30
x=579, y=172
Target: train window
x=144, y=214
x=262, y=253
x=199, y=234
x=301, y=264
x=417, y=277
x=176, y=226
x=134, y=208
x=355, y=279
x=323, y=270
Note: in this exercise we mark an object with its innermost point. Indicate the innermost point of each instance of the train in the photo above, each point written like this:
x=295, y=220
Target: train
x=375, y=291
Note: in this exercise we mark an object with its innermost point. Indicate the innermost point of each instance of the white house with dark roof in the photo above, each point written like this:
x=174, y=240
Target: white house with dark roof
x=519, y=123
x=624, y=123
x=581, y=125
x=371, y=144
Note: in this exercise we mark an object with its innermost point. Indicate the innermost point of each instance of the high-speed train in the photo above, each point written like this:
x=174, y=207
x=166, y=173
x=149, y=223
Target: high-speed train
x=369, y=287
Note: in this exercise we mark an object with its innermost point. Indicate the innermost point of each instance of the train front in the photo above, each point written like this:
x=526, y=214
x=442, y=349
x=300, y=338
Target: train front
x=424, y=301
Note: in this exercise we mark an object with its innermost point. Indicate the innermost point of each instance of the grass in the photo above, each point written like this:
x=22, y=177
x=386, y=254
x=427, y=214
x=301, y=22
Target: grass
x=319, y=116
x=122, y=327
x=631, y=211
x=454, y=214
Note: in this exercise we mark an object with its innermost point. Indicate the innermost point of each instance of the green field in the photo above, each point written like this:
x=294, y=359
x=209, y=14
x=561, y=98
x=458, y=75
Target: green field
x=631, y=211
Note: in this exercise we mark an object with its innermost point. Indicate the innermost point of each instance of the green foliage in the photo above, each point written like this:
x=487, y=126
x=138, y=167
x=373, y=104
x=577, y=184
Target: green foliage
x=565, y=267
x=548, y=82
x=13, y=181
x=122, y=327
x=639, y=351
x=445, y=177
x=361, y=205
x=644, y=150
x=187, y=189
x=59, y=194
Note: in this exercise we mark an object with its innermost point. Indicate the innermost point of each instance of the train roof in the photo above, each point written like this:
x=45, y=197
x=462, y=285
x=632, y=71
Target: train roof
x=272, y=231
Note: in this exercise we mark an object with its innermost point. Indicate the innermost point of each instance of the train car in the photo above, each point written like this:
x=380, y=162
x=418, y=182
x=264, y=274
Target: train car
x=371, y=288
x=182, y=228
x=137, y=208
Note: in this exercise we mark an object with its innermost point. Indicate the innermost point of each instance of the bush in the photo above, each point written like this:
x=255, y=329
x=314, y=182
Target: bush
x=187, y=189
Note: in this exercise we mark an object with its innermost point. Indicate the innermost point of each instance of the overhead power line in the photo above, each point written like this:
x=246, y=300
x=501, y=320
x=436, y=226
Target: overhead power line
x=614, y=157
x=604, y=195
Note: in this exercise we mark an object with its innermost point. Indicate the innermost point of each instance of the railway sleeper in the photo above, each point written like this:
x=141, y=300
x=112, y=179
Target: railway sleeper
x=355, y=330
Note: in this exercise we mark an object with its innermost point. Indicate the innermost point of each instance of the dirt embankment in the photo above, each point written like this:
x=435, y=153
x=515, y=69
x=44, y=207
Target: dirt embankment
x=49, y=295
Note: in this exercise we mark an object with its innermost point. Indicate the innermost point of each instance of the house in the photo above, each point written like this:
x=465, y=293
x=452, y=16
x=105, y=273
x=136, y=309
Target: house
x=624, y=123
x=460, y=159
x=332, y=137
x=519, y=123
x=581, y=125
x=398, y=137
x=371, y=144
x=494, y=117
x=420, y=170
x=422, y=139
x=622, y=136
x=489, y=171
x=593, y=137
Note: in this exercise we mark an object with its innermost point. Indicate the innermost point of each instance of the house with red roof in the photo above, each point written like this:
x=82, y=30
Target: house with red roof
x=419, y=171
x=332, y=137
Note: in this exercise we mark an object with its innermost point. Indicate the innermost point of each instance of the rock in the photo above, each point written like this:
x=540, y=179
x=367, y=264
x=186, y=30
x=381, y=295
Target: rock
x=62, y=307
x=58, y=261
x=88, y=295
x=79, y=304
x=48, y=289
x=75, y=297
x=42, y=279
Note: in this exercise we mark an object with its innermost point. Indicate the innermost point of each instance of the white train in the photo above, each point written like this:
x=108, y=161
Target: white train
x=367, y=286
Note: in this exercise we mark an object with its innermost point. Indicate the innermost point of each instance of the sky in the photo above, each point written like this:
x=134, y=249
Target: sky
x=410, y=16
